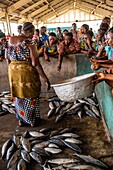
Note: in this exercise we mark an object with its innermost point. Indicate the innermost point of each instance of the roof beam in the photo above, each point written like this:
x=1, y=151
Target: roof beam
x=2, y=14
x=51, y=7
x=42, y=14
x=32, y=6
x=17, y=5
x=96, y=7
x=37, y=11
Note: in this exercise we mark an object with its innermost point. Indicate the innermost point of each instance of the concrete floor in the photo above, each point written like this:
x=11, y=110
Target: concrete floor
x=91, y=132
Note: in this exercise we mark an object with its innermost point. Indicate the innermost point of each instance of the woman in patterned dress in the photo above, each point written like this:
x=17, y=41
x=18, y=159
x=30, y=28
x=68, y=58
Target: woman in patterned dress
x=24, y=78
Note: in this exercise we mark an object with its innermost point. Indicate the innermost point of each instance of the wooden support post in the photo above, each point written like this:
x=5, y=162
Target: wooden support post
x=8, y=23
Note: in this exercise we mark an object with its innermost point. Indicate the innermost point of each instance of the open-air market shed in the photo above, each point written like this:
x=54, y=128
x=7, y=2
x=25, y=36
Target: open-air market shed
x=59, y=124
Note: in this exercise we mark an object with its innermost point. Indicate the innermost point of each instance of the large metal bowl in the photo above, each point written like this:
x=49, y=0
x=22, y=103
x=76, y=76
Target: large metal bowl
x=74, y=88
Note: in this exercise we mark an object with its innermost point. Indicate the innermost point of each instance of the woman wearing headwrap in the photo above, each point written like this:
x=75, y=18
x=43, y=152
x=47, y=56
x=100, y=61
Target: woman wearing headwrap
x=24, y=79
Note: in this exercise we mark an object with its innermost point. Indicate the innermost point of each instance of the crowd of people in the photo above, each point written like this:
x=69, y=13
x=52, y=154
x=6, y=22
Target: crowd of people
x=22, y=54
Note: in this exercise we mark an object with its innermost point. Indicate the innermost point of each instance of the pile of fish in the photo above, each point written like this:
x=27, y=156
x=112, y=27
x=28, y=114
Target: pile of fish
x=86, y=106
x=6, y=103
x=45, y=147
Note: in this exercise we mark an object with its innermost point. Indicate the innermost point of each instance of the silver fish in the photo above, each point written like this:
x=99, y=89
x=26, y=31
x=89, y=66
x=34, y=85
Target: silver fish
x=52, y=145
x=36, y=142
x=53, y=150
x=73, y=135
x=21, y=165
x=60, y=161
x=80, y=167
x=60, y=167
x=72, y=146
x=90, y=113
x=26, y=144
x=92, y=160
x=73, y=140
x=11, y=151
x=25, y=156
x=51, y=113
x=26, y=134
x=57, y=141
x=95, y=110
x=66, y=130
x=14, y=159
x=75, y=106
x=6, y=92
x=16, y=140
x=80, y=114
x=44, y=130
x=68, y=106
x=52, y=105
x=36, y=134
x=40, y=151
x=89, y=100
x=83, y=101
x=60, y=117
x=42, y=144
x=5, y=147
x=36, y=157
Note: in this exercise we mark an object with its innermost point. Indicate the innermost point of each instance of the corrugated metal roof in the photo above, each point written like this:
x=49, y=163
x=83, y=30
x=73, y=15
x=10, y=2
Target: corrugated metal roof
x=41, y=10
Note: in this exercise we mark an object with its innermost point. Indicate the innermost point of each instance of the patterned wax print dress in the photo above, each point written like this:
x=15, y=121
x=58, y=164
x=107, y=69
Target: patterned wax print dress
x=24, y=83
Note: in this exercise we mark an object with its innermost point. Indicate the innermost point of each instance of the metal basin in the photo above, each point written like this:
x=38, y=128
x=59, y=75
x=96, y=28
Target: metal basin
x=74, y=88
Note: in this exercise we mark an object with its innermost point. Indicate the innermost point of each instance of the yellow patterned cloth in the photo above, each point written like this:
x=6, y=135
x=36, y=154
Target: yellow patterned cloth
x=24, y=80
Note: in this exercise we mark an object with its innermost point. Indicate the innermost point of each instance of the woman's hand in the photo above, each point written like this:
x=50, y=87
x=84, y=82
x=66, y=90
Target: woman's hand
x=93, y=60
x=99, y=77
x=95, y=66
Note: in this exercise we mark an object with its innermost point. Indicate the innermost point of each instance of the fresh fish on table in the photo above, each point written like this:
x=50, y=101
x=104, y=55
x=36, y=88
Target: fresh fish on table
x=40, y=151
x=25, y=156
x=66, y=130
x=72, y=146
x=60, y=161
x=82, y=167
x=55, y=132
x=36, y=157
x=53, y=150
x=68, y=106
x=52, y=145
x=26, y=134
x=51, y=113
x=44, y=130
x=91, y=160
x=57, y=142
x=41, y=144
x=16, y=140
x=60, y=167
x=95, y=110
x=5, y=147
x=11, y=151
x=73, y=140
x=36, y=134
x=91, y=101
x=14, y=159
x=83, y=101
x=26, y=144
x=52, y=105
x=60, y=117
x=34, y=142
x=73, y=111
x=73, y=135
x=90, y=113
x=75, y=106
x=21, y=165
